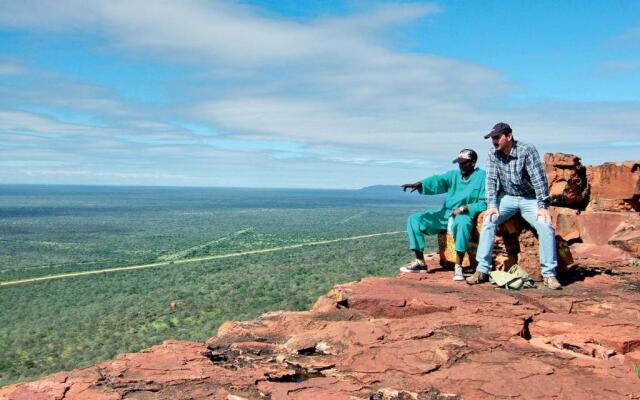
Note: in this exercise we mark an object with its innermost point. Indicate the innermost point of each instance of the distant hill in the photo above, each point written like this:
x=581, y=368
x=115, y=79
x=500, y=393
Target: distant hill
x=383, y=189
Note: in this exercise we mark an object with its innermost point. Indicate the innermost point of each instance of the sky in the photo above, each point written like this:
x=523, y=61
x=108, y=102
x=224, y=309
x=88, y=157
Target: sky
x=307, y=94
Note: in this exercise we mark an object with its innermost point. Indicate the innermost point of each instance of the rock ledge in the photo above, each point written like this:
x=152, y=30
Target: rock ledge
x=408, y=337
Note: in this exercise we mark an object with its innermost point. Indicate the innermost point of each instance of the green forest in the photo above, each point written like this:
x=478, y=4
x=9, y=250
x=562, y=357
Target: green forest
x=68, y=323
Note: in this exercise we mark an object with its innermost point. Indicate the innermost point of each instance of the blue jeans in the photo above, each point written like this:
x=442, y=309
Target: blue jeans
x=508, y=207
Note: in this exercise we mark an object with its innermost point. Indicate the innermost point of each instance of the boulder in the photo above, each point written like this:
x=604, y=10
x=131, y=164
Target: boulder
x=517, y=243
x=627, y=237
x=597, y=227
x=614, y=186
x=565, y=222
x=567, y=178
x=608, y=228
x=447, y=250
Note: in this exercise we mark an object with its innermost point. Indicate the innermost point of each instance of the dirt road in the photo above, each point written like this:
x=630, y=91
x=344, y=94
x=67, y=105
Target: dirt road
x=192, y=260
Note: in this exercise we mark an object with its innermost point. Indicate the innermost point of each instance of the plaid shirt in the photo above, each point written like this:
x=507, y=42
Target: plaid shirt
x=520, y=173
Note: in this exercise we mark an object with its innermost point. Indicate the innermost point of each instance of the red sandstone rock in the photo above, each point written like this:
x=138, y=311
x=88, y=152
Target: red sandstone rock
x=627, y=236
x=560, y=160
x=409, y=337
x=598, y=227
x=583, y=334
x=565, y=222
x=611, y=219
x=447, y=251
x=604, y=254
x=614, y=186
x=517, y=243
x=567, y=180
x=619, y=229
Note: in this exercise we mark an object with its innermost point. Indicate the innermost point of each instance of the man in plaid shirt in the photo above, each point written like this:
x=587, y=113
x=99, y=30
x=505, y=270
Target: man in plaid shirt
x=516, y=183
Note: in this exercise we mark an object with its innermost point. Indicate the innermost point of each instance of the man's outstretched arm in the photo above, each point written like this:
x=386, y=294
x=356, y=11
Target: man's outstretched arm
x=435, y=184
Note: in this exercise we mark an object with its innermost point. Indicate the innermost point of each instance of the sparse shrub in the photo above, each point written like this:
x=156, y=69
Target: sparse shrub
x=74, y=322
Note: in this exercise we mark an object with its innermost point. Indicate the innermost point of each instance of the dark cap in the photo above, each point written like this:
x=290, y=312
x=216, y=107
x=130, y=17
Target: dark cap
x=498, y=129
x=466, y=155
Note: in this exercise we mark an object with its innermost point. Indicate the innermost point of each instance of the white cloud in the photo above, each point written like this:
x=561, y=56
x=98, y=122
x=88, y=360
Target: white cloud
x=350, y=89
x=329, y=94
x=220, y=31
x=34, y=124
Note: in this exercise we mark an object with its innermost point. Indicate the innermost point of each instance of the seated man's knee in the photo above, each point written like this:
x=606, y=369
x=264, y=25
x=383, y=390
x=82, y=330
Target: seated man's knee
x=414, y=221
x=490, y=222
x=463, y=222
x=415, y=217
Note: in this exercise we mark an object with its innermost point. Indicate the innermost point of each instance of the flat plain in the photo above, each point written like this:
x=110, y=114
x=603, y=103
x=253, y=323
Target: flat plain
x=216, y=254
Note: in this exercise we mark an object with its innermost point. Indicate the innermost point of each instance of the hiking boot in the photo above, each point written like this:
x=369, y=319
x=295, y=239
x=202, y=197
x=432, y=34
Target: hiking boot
x=477, y=277
x=551, y=282
x=457, y=273
x=414, y=267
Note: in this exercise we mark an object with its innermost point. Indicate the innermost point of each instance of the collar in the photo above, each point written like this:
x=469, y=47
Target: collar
x=512, y=154
x=514, y=149
x=468, y=176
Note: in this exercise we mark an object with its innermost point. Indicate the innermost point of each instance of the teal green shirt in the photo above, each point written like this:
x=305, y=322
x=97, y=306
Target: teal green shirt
x=460, y=192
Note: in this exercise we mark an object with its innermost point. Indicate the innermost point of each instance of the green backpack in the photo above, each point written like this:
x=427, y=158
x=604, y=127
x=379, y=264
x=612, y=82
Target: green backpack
x=514, y=279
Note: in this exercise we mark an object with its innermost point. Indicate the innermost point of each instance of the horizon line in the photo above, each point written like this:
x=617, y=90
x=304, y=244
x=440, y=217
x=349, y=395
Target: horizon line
x=101, y=185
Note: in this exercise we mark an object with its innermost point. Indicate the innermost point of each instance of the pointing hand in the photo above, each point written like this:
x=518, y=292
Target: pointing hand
x=412, y=186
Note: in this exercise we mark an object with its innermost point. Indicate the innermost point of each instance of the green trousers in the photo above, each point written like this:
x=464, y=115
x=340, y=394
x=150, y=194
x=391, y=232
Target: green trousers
x=432, y=222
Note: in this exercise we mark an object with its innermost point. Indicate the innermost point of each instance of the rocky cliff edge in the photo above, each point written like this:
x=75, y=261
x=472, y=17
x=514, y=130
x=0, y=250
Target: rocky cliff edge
x=405, y=337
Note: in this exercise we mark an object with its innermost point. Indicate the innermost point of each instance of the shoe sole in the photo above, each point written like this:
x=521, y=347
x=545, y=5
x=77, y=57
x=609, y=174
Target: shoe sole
x=476, y=283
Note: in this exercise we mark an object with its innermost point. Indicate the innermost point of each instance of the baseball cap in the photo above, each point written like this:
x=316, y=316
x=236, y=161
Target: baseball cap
x=465, y=155
x=498, y=129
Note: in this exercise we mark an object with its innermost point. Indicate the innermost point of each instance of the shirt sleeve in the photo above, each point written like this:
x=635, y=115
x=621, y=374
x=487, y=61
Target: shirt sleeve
x=481, y=203
x=491, y=182
x=538, y=177
x=436, y=184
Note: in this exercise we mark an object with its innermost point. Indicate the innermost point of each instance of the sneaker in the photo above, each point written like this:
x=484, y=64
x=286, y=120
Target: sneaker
x=457, y=273
x=551, y=282
x=414, y=267
x=477, y=277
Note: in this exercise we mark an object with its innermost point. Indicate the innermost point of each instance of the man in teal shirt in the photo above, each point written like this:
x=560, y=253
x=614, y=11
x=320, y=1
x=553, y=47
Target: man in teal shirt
x=465, y=189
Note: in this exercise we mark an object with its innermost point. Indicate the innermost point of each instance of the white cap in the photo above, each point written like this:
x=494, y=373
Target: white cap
x=466, y=154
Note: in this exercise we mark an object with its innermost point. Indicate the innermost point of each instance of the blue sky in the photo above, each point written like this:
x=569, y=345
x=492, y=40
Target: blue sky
x=327, y=94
